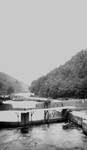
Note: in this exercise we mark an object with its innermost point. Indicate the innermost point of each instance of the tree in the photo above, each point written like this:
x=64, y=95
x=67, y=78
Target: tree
x=10, y=90
x=1, y=85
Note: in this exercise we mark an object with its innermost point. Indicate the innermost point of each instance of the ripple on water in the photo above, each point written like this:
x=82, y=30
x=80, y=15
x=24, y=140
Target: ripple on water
x=49, y=137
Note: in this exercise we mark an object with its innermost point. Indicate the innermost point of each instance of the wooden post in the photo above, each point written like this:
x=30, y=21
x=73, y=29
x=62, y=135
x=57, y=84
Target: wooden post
x=65, y=113
x=46, y=115
x=24, y=118
x=32, y=115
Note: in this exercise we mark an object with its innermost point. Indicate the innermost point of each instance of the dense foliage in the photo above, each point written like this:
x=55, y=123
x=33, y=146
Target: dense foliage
x=10, y=90
x=69, y=80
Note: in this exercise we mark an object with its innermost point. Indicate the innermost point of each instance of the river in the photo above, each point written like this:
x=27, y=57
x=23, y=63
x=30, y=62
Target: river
x=43, y=137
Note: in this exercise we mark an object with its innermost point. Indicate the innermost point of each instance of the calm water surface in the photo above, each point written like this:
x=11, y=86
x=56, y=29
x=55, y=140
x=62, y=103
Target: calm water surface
x=44, y=137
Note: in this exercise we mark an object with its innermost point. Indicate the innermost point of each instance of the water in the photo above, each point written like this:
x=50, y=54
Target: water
x=44, y=137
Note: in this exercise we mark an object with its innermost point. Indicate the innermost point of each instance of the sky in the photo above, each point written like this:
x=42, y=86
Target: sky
x=36, y=36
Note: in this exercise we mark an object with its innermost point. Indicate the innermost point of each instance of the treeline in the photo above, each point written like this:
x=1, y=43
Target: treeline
x=10, y=89
x=8, y=84
x=69, y=80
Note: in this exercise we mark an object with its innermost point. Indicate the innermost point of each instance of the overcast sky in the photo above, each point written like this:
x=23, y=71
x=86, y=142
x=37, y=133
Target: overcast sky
x=37, y=36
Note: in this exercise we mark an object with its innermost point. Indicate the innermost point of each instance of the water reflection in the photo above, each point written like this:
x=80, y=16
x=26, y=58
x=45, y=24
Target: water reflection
x=24, y=130
x=49, y=137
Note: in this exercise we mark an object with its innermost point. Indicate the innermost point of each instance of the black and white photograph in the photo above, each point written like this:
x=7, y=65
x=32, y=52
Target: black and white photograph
x=43, y=74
